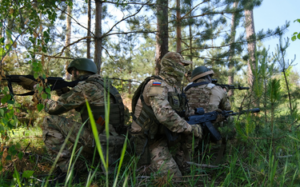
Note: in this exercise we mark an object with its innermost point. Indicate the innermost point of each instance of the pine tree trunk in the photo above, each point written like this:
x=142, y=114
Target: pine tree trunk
x=250, y=31
x=68, y=40
x=1, y=57
x=162, y=35
x=178, y=27
x=191, y=47
x=231, y=50
x=88, y=41
x=98, y=40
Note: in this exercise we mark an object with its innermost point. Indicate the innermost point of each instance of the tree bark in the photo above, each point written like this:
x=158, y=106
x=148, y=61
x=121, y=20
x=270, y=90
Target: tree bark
x=178, y=27
x=98, y=40
x=231, y=50
x=191, y=48
x=162, y=35
x=68, y=41
x=88, y=41
x=250, y=31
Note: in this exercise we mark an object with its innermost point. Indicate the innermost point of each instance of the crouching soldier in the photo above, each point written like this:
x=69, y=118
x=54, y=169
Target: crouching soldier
x=162, y=138
x=56, y=128
x=203, y=94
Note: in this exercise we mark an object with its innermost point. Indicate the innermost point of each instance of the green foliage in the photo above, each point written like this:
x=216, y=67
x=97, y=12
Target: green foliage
x=27, y=174
x=274, y=90
x=288, y=72
x=296, y=35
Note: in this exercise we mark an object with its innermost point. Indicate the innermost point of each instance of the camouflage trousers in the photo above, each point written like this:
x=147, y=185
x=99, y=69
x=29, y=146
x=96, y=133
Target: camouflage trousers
x=55, y=131
x=171, y=158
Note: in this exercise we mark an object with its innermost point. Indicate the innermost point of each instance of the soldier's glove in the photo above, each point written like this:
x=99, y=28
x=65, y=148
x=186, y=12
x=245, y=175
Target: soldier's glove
x=59, y=92
x=27, y=83
x=220, y=117
x=197, y=130
x=194, y=129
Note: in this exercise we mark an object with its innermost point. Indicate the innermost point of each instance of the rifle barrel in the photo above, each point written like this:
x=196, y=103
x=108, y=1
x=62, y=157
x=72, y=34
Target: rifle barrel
x=253, y=110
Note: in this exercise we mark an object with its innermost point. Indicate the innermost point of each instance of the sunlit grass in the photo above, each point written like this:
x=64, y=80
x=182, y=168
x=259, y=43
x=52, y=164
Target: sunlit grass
x=250, y=162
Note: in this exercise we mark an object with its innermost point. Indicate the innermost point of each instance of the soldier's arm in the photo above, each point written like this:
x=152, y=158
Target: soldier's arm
x=225, y=104
x=163, y=111
x=72, y=99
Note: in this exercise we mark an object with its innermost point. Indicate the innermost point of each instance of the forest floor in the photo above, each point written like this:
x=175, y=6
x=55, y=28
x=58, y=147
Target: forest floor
x=259, y=156
x=27, y=152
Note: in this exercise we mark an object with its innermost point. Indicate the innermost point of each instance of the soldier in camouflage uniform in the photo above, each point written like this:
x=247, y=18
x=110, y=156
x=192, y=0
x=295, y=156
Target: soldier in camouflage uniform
x=91, y=87
x=158, y=108
x=202, y=93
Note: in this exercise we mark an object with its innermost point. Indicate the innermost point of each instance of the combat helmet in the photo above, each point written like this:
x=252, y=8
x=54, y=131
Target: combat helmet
x=201, y=71
x=83, y=64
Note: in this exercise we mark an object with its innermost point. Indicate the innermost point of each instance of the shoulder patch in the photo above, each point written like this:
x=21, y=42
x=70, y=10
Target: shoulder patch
x=210, y=85
x=155, y=90
x=156, y=83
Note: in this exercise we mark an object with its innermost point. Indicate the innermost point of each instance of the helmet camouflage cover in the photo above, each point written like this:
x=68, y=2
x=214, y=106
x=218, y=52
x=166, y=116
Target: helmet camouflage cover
x=83, y=64
x=201, y=71
x=172, y=64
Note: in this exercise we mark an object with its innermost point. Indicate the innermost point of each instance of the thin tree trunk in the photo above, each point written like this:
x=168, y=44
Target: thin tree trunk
x=68, y=40
x=98, y=40
x=88, y=42
x=250, y=31
x=191, y=45
x=178, y=27
x=1, y=30
x=288, y=89
x=162, y=35
x=231, y=50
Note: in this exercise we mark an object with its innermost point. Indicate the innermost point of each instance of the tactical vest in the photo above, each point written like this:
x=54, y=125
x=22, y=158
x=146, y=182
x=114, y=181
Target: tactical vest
x=147, y=119
x=200, y=97
x=116, y=113
x=195, y=85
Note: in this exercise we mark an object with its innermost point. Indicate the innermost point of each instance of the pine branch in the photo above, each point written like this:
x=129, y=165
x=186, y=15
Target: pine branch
x=3, y=56
x=104, y=35
x=131, y=3
x=50, y=56
x=74, y=19
x=183, y=17
x=108, y=54
x=59, y=54
x=130, y=32
x=210, y=13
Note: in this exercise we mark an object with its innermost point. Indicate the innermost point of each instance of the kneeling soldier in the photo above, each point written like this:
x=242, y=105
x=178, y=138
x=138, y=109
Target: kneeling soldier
x=92, y=87
x=162, y=138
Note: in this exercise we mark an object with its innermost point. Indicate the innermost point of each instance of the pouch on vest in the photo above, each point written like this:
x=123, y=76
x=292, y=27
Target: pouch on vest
x=116, y=113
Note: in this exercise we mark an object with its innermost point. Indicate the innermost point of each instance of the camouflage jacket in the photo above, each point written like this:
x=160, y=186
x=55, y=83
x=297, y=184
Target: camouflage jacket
x=156, y=96
x=75, y=98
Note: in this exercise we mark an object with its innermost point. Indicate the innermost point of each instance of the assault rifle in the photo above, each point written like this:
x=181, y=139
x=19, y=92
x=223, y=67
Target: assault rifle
x=230, y=87
x=55, y=83
x=206, y=119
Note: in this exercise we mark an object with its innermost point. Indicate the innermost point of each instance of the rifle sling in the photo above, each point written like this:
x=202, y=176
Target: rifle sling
x=194, y=85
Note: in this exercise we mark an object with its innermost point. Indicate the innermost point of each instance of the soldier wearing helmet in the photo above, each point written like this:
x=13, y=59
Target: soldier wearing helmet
x=202, y=93
x=158, y=108
x=56, y=128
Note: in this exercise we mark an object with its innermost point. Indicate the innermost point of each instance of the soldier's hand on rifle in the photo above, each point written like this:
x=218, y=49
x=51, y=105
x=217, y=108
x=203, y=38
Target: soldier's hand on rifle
x=220, y=117
x=59, y=92
x=197, y=131
x=194, y=129
x=27, y=83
